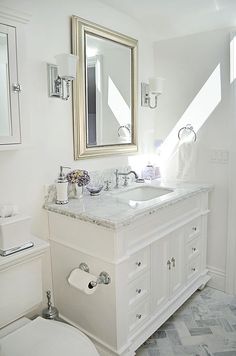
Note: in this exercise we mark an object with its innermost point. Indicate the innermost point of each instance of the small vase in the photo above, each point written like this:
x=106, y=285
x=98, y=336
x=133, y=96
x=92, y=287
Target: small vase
x=75, y=192
x=79, y=191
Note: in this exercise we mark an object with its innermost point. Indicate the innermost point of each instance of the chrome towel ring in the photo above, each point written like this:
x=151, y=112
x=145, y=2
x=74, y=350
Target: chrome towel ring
x=188, y=128
x=127, y=127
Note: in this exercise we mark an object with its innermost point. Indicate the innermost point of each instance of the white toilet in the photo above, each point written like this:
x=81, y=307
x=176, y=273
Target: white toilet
x=42, y=337
x=21, y=292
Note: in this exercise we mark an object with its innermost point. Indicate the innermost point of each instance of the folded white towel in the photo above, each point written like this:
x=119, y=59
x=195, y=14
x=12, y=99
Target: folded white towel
x=187, y=160
x=8, y=210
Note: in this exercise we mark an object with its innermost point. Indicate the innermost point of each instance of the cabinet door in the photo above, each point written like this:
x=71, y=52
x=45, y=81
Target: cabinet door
x=159, y=272
x=176, y=255
x=9, y=90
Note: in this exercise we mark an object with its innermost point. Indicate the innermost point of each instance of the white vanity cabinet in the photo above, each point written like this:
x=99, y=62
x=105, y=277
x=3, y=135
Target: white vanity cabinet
x=156, y=262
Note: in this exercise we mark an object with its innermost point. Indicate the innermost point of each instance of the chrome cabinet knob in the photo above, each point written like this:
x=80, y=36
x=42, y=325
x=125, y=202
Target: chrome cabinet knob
x=173, y=261
x=138, y=290
x=169, y=264
x=194, y=228
x=139, y=316
x=194, y=249
x=138, y=263
x=193, y=269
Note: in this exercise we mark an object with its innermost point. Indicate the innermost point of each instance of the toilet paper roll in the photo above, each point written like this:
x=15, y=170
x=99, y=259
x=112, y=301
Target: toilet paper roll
x=82, y=281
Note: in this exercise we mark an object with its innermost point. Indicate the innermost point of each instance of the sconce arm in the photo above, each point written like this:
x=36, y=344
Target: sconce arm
x=149, y=102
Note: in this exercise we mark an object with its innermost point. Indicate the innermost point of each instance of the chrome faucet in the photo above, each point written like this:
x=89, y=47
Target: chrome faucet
x=117, y=179
x=117, y=173
x=135, y=174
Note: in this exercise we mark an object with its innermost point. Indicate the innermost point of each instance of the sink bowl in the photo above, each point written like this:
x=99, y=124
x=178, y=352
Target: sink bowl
x=144, y=193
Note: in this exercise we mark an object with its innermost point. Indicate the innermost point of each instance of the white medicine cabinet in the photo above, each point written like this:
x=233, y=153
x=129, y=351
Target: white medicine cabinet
x=10, y=132
x=12, y=62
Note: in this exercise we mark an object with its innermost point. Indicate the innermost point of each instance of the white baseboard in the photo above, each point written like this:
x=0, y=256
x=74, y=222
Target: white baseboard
x=217, y=280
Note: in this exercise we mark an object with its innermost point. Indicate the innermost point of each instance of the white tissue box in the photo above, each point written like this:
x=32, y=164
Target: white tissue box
x=14, y=231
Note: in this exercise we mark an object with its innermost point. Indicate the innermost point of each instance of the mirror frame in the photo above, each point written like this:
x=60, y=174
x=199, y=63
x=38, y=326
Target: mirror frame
x=80, y=28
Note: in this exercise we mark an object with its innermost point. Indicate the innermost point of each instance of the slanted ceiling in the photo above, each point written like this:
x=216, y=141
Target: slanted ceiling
x=174, y=18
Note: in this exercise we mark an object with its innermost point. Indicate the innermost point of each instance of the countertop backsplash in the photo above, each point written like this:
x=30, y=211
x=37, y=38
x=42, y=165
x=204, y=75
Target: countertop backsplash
x=96, y=178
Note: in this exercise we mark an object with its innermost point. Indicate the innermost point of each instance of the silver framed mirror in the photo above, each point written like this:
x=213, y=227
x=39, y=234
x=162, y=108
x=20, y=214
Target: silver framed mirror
x=104, y=92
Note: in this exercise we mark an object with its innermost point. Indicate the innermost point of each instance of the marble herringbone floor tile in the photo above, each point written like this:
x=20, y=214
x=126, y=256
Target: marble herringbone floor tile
x=204, y=326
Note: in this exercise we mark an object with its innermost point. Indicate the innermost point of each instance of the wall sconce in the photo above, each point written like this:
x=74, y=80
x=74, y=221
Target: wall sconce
x=154, y=88
x=61, y=75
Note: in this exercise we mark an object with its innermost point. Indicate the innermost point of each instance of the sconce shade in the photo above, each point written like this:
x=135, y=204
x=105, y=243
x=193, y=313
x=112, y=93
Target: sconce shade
x=67, y=64
x=156, y=85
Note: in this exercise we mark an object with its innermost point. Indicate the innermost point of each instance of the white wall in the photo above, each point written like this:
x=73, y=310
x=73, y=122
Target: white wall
x=47, y=122
x=192, y=93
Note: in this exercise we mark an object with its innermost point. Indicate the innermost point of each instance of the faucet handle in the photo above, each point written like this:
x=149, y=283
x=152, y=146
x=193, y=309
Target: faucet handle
x=108, y=183
x=125, y=181
x=117, y=179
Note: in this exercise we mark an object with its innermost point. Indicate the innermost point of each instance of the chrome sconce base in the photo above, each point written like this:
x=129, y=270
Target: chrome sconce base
x=57, y=87
x=150, y=92
x=145, y=96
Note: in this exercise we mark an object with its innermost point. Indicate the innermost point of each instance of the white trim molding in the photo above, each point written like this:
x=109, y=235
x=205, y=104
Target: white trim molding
x=230, y=284
x=13, y=15
x=217, y=280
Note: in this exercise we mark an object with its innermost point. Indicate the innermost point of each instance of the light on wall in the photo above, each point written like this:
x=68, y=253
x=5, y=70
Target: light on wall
x=151, y=91
x=61, y=75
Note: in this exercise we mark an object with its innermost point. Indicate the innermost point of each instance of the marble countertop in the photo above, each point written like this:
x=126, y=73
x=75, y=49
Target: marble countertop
x=111, y=211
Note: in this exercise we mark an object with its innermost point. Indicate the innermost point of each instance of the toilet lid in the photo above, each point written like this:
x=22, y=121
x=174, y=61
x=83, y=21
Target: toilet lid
x=43, y=337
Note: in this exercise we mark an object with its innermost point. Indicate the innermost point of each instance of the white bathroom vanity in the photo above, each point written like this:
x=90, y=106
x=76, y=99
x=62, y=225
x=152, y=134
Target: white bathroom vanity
x=153, y=249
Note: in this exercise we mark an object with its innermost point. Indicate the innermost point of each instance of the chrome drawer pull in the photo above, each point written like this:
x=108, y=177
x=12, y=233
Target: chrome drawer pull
x=139, y=316
x=193, y=269
x=194, y=228
x=138, y=290
x=169, y=264
x=138, y=263
x=194, y=249
x=173, y=261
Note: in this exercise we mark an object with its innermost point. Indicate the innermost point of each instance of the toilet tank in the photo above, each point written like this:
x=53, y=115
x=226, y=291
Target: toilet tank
x=21, y=282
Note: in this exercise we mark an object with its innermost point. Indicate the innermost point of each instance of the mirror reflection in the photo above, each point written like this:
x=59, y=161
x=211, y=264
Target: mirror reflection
x=104, y=92
x=5, y=114
x=108, y=92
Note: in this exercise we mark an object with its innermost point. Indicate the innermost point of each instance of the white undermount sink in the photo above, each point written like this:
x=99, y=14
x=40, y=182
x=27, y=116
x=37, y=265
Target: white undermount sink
x=143, y=193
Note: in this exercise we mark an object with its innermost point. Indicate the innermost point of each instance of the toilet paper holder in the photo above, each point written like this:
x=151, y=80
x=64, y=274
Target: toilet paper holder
x=103, y=277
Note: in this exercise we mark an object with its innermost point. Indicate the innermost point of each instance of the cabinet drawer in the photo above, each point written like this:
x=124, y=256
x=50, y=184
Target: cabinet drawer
x=193, y=229
x=138, y=263
x=194, y=267
x=193, y=248
x=139, y=289
x=138, y=314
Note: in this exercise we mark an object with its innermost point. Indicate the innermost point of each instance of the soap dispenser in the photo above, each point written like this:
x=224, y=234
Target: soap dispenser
x=62, y=187
x=149, y=172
